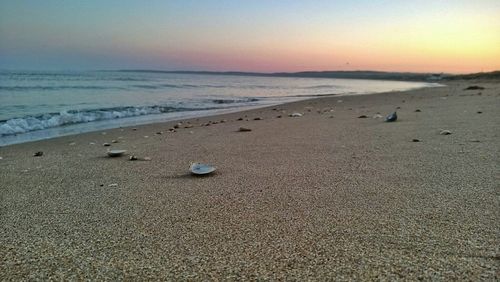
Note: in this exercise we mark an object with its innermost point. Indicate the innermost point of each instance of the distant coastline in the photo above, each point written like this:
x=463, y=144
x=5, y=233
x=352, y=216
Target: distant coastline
x=376, y=75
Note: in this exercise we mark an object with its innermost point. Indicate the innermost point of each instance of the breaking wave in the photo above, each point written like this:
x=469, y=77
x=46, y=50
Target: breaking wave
x=51, y=120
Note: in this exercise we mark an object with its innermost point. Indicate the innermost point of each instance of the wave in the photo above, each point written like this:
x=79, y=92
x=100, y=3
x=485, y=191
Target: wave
x=62, y=87
x=32, y=123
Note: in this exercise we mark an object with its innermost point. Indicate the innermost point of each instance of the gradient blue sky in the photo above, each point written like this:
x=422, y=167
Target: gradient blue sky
x=258, y=35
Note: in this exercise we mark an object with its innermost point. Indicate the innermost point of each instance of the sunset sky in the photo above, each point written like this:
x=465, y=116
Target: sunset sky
x=254, y=35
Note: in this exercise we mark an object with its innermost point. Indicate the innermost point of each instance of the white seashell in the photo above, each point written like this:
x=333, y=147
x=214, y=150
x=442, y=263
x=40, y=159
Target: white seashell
x=116, y=153
x=295, y=115
x=201, y=169
x=445, y=132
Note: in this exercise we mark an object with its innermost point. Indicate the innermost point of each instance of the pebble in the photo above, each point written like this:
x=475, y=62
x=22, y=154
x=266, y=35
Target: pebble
x=362, y=116
x=244, y=129
x=92, y=143
x=415, y=140
x=240, y=118
x=417, y=110
x=279, y=116
x=38, y=154
x=132, y=158
x=159, y=133
x=114, y=141
x=295, y=115
x=147, y=158
x=1, y=158
x=106, y=144
x=72, y=144
x=445, y=132
x=479, y=112
x=188, y=126
x=257, y=118
x=146, y=136
x=134, y=129
x=378, y=116
x=178, y=125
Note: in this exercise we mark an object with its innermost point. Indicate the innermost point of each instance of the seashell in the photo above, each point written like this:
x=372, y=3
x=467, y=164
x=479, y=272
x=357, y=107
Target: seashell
x=392, y=117
x=377, y=116
x=244, y=129
x=445, y=132
x=295, y=115
x=133, y=158
x=362, y=116
x=114, y=141
x=116, y=153
x=201, y=169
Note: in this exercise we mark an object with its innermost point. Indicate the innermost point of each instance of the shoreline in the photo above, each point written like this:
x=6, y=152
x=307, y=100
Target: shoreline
x=72, y=129
x=329, y=195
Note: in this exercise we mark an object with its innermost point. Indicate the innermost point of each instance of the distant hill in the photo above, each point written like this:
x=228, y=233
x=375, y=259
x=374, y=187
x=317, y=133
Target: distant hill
x=403, y=76
x=479, y=75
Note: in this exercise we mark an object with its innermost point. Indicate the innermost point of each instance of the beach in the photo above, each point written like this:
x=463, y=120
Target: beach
x=327, y=195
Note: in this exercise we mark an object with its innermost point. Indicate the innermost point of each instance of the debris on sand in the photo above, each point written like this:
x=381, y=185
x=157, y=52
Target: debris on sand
x=295, y=115
x=445, y=132
x=479, y=112
x=258, y=118
x=240, y=118
x=38, y=154
x=377, y=116
x=201, y=169
x=417, y=111
x=114, y=141
x=362, y=116
x=280, y=116
x=392, y=117
x=415, y=140
x=113, y=185
x=106, y=144
x=244, y=129
x=136, y=158
x=474, y=87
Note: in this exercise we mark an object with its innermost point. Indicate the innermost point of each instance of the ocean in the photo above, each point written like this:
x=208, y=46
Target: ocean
x=37, y=105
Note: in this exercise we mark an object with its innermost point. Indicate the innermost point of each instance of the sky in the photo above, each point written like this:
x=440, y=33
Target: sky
x=454, y=36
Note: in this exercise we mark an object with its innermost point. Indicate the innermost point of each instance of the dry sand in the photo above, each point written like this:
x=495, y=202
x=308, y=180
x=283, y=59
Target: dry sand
x=323, y=196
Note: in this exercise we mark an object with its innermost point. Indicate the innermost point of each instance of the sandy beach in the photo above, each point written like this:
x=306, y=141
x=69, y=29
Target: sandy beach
x=327, y=195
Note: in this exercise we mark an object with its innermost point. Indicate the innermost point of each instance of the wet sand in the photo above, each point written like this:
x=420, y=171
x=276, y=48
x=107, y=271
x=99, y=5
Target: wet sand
x=324, y=196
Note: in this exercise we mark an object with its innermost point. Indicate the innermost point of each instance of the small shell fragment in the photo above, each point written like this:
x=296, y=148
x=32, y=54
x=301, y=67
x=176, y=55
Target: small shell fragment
x=201, y=169
x=295, y=115
x=116, y=153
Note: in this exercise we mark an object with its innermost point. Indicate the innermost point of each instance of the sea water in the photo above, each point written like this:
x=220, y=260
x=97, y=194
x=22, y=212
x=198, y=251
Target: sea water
x=41, y=104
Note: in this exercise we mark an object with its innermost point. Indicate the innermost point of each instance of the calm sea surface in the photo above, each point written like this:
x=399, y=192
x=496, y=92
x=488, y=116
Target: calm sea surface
x=38, y=105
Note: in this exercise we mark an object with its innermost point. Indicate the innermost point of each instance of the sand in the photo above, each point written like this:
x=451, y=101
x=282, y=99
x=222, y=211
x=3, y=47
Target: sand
x=323, y=196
